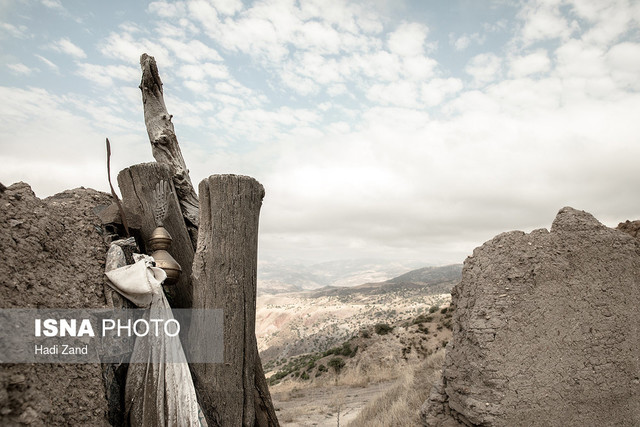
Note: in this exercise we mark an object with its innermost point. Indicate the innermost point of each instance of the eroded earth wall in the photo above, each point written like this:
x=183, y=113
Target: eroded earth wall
x=546, y=331
x=52, y=256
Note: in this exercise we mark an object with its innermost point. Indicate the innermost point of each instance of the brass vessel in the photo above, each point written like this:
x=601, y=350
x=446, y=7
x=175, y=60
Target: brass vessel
x=159, y=242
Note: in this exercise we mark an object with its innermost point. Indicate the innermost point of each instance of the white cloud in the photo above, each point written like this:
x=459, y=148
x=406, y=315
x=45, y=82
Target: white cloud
x=363, y=140
x=576, y=58
x=401, y=94
x=437, y=90
x=64, y=45
x=624, y=62
x=49, y=64
x=165, y=9
x=196, y=86
x=419, y=67
x=104, y=75
x=543, y=20
x=53, y=4
x=464, y=41
x=227, y=7
x=74, y=151
x=533, y=63
x=203, y=71
x=337, y=89
x=123, y=46
x=19, y=32
x=609, y=19
x=193, y=52
x=484, y=68
x=408, y=39
x=20, y=68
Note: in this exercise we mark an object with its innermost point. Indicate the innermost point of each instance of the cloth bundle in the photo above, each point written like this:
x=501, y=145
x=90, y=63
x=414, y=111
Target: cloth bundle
x=159, y=389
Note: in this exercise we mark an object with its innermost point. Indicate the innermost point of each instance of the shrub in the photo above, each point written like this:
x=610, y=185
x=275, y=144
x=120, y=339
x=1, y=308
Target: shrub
x=346, y=349
x=444, y=310
x=336, y=363
x=383, y=328
x=353, y=352
x=304, y=376
x=433, y=309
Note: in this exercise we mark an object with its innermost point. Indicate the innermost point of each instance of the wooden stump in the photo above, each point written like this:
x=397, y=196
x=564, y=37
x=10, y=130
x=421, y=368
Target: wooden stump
x=137, y=184
x=224, y=277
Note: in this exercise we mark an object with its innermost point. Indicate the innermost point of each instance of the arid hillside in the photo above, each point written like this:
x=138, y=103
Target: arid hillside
x=305, y=322
x=384, y=365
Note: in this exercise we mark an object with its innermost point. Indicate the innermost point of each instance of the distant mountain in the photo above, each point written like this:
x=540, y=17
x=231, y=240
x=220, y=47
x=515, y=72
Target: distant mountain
x=277, y=278
x=426, y=281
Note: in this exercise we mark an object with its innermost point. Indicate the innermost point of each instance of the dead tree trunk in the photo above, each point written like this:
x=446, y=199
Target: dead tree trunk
x=224, y=276
x=164, y=142
x=136, y=185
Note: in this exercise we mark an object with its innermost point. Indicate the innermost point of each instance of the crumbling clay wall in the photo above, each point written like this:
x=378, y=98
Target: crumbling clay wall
x=52, y=255
x=546, y=331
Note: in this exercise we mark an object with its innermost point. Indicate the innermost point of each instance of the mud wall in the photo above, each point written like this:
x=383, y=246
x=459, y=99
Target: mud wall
x=52, y=256
x=546, y=331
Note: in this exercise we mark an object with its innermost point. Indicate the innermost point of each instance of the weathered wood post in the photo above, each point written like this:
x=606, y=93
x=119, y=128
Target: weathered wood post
x=137, y=184
x=164, y=142
x=232, y=393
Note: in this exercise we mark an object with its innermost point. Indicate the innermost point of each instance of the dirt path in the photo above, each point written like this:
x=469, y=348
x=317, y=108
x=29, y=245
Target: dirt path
x=320, y=406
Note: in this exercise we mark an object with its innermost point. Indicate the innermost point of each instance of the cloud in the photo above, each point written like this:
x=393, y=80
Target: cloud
x=623, y=60
x=408, y=39
x=437, y=90
x=484, y=68
x=192, y=52
x=64, y=45
x=203, y=71
x=536, y=62
x=609, y=20
x=48, y=63
x=365, y=141
x=123, y=46
x=464, y=41
x=18, y=32
x=401, y=94
x=227, y=7
x=166, y=9
x=21, y=69
x=53, y=4
x=104, y=75
x=74, y=149
x=543, y=20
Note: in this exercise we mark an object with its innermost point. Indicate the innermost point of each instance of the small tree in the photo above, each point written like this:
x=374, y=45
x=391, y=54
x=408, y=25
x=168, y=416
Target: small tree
x=383, y=328
x=336, y=363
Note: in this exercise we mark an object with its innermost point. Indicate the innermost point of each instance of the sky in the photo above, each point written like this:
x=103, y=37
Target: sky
x=387, y=129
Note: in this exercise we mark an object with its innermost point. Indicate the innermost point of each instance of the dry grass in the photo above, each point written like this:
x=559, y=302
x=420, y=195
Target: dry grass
x=400, y=405
x=363, y=375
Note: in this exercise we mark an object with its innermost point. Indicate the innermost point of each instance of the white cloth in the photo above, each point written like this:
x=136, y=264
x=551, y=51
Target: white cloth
x=138, y=282
x=159, y=391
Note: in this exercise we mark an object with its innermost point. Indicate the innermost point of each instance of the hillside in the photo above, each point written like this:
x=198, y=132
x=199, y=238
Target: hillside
x=318, y=388
x=297, y=323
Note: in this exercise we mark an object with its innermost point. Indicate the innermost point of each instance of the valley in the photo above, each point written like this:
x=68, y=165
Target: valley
x=329, y=353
